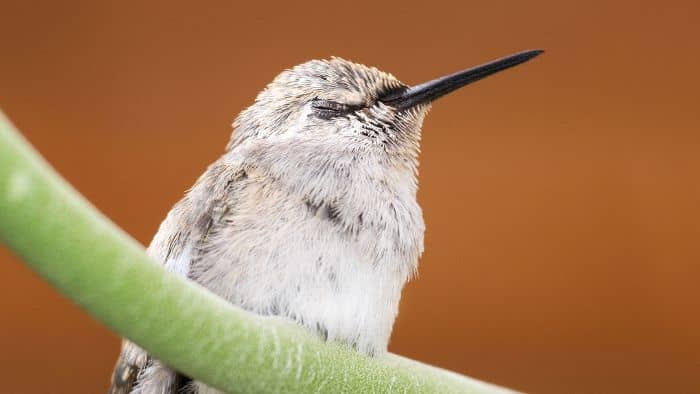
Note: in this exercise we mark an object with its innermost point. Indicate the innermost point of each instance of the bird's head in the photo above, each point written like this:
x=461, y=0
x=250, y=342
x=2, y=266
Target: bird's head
x=352, y=106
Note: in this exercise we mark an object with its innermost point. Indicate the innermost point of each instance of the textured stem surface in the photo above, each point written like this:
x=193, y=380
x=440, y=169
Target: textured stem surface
x=94, y=263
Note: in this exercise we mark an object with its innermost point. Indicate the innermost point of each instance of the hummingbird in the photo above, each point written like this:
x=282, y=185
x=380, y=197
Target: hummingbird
x=310, y=214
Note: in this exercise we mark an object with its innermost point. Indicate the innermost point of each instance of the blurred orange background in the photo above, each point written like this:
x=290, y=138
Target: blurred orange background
x=562, y=198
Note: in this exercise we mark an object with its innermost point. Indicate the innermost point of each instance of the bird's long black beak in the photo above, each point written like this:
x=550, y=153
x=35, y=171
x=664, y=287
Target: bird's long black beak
x=432, y=90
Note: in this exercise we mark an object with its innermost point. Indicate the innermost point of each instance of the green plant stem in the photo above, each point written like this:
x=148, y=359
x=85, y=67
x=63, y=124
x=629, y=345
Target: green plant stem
x=91, y=261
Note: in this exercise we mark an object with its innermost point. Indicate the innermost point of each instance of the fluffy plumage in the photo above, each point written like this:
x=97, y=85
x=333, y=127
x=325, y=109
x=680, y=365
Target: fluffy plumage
x=310, y=214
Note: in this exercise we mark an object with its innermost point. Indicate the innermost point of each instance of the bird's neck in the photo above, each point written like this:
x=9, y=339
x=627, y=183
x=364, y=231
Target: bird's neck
x=331, y=173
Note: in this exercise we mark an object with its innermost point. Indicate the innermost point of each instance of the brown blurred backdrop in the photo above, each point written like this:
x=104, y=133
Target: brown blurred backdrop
x=562, y=198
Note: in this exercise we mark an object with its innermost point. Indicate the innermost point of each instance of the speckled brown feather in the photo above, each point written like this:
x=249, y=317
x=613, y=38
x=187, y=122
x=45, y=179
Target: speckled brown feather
x=123, y=376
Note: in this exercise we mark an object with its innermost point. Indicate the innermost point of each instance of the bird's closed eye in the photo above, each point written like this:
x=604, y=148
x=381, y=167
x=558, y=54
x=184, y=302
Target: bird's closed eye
x=328, y=109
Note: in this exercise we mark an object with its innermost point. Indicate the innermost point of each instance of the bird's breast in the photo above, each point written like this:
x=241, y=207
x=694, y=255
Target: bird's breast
x=333, y=266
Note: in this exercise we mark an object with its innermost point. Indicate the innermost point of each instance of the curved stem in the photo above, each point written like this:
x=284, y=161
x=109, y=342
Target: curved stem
x=94, y=263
